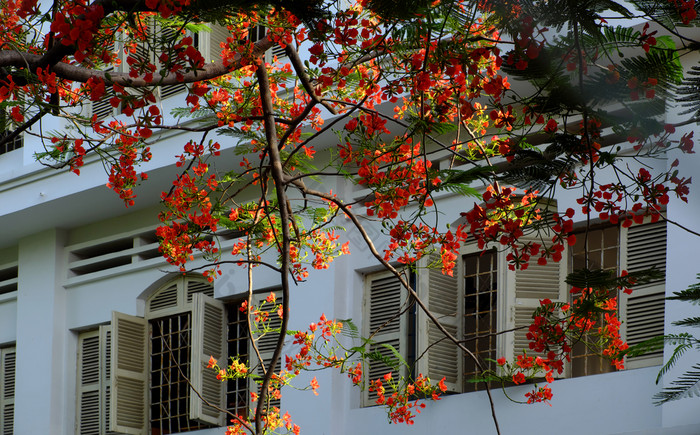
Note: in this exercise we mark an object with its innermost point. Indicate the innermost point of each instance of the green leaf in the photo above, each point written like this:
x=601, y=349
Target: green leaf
x=687, y=385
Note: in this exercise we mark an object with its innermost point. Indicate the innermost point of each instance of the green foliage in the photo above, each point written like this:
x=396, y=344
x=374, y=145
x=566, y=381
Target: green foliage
x=608, y=279
x=687, y=385
x=459, y=181
x=691, y=294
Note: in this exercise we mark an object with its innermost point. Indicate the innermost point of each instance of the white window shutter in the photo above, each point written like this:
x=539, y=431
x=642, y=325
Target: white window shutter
x=642, y=312
x=89, y=405
x=266, y=344
x=7, y=390
x=384, y=298
x=441, y=294
x=129, y=374
x=208, y=339
x=105, y=332
x=210, y=42
x=166, y=298
x=530, y=286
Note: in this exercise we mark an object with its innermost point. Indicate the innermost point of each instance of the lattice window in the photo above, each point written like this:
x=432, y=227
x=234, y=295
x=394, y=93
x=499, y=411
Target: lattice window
x=480, y=312
x=170, y=369
x=7, y=128
x=237, y=389
x=603, y=248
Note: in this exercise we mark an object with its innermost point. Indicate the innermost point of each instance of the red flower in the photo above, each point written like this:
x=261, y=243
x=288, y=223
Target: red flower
x=551, y=126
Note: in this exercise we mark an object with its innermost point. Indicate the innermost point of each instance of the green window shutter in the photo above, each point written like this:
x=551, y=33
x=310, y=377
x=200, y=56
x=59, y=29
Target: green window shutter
x=7, y=390
x=208, y=326
x=383, y=300
x=129, y=374
x=642, y=312
x=441, y=293
x=530, y=286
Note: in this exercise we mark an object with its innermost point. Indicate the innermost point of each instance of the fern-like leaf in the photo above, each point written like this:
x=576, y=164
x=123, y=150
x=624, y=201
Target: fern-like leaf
x=683, y=342
x=690, y=321
x=687, y=385
x=691, y=294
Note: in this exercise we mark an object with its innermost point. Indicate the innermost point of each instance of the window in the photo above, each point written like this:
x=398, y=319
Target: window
x=7, y=390
x=480, y=274
x=256, y=34
x=7, y=126
x=485, y=297
x=603, y=249
x=207, y=42
x=133, y=374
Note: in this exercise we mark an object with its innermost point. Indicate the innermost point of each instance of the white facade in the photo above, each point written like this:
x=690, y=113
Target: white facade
x=71, y=254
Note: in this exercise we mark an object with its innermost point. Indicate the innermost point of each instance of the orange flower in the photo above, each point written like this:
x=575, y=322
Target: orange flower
x=212, y=362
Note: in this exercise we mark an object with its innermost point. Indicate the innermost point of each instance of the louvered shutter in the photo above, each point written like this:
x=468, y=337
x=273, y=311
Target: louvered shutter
x=642, y=312
x=266, y=344
x=164, y=299
x=129, y=374
x=383, y=300
x=7, y=390
x=208, y=326
x=196, y=286
x=441, y=293
x=168, y=36
x=211, y=42
x=530, y=286
x=89, y=404
x=102, y=108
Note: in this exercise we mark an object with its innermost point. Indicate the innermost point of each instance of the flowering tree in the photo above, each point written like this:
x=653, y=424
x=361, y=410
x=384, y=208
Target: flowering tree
x=439, y=67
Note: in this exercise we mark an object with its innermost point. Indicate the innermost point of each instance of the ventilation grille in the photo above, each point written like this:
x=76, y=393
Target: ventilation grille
x=8, y=278
x=199, y=287
x=88, y=258
x=165, y=298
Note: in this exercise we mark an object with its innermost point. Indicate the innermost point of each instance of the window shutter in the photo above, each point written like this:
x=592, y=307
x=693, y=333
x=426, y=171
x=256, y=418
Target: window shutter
x=102, y=108
x=165, y=298
x=7, y=390
x=532, y=285
x=195, y=286
x=105, y=377
x=384, y=299
x=211, y=42
x=89, y=407
x=642, y=312
x=441, y=294
x=208, y=326
x=129, y=374
x=266, y=344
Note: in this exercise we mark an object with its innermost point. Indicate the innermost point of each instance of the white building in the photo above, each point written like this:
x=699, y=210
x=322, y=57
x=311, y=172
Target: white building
x=71, y=256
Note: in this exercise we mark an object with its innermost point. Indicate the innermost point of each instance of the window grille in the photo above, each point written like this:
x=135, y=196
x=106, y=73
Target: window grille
x=480, y=313
x=170, y=370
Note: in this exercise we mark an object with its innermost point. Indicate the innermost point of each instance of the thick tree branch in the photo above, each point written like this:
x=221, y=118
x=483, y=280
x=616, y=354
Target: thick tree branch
x=279, y=181
x=83, y=74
